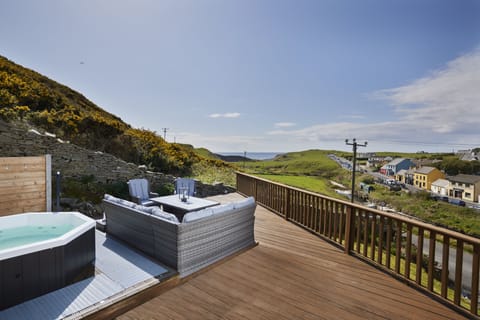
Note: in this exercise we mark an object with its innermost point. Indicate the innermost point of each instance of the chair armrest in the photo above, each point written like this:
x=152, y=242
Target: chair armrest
x=137, y=200
x=153, y=194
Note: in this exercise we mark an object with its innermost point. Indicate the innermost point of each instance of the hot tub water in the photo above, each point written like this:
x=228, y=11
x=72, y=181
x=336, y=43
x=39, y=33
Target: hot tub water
x=14, y=237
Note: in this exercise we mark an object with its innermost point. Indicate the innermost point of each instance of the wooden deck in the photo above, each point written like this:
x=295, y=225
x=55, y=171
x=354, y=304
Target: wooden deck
x=291, y=274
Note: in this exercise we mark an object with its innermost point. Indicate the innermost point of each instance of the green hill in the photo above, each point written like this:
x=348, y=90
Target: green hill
x=28, y=98
x=309, y=163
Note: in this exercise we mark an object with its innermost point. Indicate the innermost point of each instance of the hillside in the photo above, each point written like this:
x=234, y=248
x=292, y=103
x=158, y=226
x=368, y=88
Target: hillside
x=30, y=99
x=309, y=163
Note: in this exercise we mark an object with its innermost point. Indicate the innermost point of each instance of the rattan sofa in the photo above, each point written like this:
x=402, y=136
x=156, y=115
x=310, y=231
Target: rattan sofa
x=204, y=237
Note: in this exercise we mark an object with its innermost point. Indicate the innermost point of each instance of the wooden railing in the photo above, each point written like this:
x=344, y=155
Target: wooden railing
x=448, y=265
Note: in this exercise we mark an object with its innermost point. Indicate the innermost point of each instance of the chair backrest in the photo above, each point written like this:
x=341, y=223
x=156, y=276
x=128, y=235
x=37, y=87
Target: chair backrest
x=138, y=188
x=185, y=183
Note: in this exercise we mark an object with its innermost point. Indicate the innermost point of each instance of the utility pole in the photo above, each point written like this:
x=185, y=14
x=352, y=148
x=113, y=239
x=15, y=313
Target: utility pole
x=165, y=133
x=355, y=145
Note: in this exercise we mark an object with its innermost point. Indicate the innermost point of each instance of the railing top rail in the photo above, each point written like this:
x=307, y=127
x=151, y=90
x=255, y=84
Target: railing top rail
x=396, y=216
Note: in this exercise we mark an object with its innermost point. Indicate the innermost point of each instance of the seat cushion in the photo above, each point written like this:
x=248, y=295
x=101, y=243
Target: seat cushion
x=147, y=203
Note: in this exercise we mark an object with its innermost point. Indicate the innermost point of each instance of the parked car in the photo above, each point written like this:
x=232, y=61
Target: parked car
x=439, y=197
x=457, y=202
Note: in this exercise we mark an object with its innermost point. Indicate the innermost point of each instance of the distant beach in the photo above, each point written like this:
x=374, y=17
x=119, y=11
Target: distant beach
x=253, y=155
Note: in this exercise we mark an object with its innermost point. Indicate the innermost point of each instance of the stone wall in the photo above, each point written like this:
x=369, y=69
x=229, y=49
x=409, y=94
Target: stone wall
x=75, y=162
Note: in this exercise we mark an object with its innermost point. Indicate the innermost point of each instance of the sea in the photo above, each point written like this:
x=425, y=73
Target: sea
x=253, y=155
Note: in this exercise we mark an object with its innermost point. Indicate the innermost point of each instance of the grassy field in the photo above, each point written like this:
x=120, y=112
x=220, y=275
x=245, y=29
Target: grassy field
x=420, y=205
x=305, y=163
x=313, y=170
x=211, y=175
x=310, y=183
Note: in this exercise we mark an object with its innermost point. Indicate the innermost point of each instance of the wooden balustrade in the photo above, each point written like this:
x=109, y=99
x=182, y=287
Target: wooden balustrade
x=428, y=257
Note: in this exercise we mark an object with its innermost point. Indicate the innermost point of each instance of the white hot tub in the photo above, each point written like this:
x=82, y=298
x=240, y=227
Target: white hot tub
x=42, y=252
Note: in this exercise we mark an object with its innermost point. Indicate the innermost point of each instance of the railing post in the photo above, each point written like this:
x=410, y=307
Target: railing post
x=237, y=178
x=475, y=276
x=287, y=204
x=458, y=273
x=348, y=230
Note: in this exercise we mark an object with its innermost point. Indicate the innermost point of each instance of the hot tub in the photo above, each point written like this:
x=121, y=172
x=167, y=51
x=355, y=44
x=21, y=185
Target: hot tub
x=43, y=252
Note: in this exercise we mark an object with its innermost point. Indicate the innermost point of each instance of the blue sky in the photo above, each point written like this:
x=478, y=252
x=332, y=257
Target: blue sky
x=265, y=75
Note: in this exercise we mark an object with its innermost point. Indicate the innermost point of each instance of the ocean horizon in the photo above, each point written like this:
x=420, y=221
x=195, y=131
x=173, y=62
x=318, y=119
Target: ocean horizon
x=253, y=155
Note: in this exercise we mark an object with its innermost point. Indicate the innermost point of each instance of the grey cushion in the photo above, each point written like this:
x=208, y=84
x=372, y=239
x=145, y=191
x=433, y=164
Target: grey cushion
x=243, y=203
x=223, y=208
x=157, y=212
x=123, y=202
x=195, y=215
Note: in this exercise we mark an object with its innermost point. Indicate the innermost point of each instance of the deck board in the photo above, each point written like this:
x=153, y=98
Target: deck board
x=291, y=274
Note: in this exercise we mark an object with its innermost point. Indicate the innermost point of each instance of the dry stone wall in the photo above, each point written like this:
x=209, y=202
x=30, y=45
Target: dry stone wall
x=76, y=162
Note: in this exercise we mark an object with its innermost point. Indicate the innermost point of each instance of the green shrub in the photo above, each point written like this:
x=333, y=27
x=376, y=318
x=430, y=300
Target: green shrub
x=165, y=189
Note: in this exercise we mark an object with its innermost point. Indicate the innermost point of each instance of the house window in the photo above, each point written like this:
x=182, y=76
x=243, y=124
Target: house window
x=468, y=195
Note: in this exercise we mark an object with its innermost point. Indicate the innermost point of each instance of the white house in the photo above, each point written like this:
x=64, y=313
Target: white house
x=440, y=186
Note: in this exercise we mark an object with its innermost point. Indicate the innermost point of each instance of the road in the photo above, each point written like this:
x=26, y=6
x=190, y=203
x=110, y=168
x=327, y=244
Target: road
x=467, y=262
x=467, y=257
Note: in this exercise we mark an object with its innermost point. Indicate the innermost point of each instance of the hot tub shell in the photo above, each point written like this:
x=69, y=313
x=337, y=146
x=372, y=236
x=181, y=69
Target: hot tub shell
x=32, y=270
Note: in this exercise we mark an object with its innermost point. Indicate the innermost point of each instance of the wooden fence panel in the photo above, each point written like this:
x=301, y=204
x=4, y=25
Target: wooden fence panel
x=25, y=184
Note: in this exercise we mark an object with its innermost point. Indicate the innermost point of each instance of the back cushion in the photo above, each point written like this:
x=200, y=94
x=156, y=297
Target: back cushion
x=223, y=208
x=244, y=203
x=122, y=202
x=156, y=211
x=196, y=215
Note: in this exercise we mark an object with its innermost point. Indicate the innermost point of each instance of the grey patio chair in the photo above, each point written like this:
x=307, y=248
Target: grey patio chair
x=139, y=190
x=185, y=184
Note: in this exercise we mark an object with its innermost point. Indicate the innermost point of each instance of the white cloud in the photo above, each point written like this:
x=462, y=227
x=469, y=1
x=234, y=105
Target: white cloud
x=442, y=108
x=447, y=101
x=284, y=124
x=353, y=116
x=225, y=115
x=223, y=143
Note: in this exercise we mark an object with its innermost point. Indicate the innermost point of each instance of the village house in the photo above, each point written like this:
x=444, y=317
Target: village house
x=405, y=176
x=441, y=187
x=424, y=177
x=465, y=186
x=394, y=166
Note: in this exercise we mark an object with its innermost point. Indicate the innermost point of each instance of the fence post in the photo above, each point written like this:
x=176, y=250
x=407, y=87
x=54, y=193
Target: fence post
x=48, y=180
x=58, y=188
x=348, y=230
x=287, y=204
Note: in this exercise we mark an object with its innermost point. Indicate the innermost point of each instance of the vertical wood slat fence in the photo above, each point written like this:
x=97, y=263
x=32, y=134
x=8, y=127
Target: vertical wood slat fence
x=389, y=241
x=25, y=184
